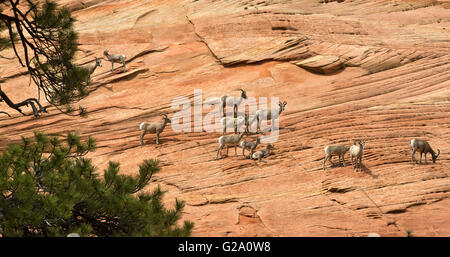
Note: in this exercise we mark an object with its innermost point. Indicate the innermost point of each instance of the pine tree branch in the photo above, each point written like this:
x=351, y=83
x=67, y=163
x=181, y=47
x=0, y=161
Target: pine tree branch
x=30, y=101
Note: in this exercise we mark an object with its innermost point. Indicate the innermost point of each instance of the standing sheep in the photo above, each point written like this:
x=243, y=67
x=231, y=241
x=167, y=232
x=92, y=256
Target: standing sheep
x=229, y=140
x=423, y=147
x=91, y=67
x=153, y=127
x=249, y=145
x=338, y=150
x=234, y=101
x=356, y=152
x=268, y=114
x=119, y=58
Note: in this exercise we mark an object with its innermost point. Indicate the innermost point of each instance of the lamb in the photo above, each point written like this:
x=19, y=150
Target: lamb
x=338, y=150
x=268, y=114
x=234, y=101
x=423, y=147
x=91, y=67
x=229, y=140
x=153, y=127
x=356, y=152
x=249, y=145
x=119, y=58
x=263, y=153
x=231, y=122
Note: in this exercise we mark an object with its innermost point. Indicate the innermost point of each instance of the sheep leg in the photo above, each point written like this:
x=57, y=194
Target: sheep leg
x=258, y=126
x=219, y=151
x=331, y=160
x=157, y=138
x=426, y=158
x=243, y=152
x=324, y=160
x=360, y=163
x=420, y=161
x=343, y=160
x=235, y=151
x=412, y=156
x=112, y=66
x=227, y=150
x=142, y=136
x=223, y=109
x=124, y=65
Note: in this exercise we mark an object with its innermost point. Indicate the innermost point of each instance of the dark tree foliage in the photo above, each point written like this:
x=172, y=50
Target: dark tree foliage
x=44, y=41
x=49, y=188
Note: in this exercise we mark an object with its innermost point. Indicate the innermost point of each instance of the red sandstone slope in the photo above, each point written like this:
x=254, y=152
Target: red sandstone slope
x=377, y=70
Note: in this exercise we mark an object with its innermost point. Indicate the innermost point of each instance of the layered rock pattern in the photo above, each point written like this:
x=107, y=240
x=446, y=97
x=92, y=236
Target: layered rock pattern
x=375, y=70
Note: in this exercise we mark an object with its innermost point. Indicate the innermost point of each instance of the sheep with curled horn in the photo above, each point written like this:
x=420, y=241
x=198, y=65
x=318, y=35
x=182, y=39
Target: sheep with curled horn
x=423, y=147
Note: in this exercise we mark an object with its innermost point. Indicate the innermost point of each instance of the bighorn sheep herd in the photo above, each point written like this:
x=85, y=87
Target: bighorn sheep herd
x=356, y=150
x=231, y=140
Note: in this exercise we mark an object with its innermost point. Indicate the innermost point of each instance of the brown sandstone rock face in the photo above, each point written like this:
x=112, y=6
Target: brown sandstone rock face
x=375, y=70
x=323, y=64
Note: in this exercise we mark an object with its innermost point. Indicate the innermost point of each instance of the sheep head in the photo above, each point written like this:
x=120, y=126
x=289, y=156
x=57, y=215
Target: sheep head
x=243, y=93
x=166, y=119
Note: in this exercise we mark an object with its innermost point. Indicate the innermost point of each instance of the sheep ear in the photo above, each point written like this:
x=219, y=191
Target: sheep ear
x=284, y=103
x=439, y=152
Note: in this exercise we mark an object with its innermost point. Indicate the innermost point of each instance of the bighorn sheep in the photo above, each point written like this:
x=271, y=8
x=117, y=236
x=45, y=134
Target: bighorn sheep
x=268, y=114
x=91, y=67
x=234, y=101
x=231, y=122
x=423, y=147
x=356, y=152
x=153, y=127
x=338, y=150
x=249, y=145
x=263, y=153
x=229, y=140
x=119, y=58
